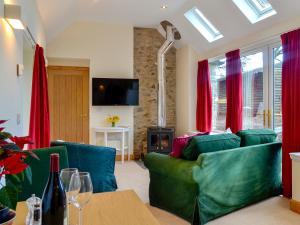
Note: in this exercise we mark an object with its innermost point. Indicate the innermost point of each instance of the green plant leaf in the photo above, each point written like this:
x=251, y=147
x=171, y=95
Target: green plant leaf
x=13, y=181
x=12, y=146
x=4, y=135
x=28, y=174
x=8, y=197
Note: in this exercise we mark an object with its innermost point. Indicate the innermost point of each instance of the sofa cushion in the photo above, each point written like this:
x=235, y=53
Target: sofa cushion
x=210, y=143
x=256, y=136
x=179, y=143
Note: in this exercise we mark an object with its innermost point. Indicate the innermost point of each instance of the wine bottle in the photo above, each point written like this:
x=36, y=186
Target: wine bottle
x=54, y=211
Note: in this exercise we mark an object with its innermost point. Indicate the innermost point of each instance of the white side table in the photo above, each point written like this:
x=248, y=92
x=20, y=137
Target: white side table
x=115, y=130
x=295, y=202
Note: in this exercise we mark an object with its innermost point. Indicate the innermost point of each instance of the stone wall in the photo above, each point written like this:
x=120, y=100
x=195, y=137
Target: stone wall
x=147, y=42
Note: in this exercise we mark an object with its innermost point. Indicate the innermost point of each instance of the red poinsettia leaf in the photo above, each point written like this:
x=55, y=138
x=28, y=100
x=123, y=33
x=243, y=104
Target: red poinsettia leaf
x=18, y=168
x=14, y=164
x=3, y=121
x=21, y=141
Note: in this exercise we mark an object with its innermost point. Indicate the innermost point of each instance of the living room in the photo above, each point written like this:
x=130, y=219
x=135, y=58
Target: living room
x=148, y=99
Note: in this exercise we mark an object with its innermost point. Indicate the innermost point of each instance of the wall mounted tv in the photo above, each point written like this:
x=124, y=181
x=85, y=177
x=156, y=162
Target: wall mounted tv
x=109, y=91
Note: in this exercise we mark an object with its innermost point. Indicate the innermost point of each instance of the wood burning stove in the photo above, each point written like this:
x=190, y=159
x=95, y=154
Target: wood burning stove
x=159, y=139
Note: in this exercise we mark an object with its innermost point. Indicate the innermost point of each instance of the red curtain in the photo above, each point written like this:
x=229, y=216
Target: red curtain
x=290, y=105
x=234, y=91
x=204, y=98
x=39, y=128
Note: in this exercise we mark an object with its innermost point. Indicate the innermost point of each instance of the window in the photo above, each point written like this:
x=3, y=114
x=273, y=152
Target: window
x=253, y=91
x=262, y=74
x=203, y=25
x=218, y=84
x=255, y=10
x=277, y=87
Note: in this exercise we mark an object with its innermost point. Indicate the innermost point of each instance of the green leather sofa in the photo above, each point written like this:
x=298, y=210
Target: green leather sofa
x=98, y=161
x=217, y=183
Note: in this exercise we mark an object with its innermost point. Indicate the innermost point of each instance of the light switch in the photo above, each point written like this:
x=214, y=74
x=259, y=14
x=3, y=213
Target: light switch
x=20, y=69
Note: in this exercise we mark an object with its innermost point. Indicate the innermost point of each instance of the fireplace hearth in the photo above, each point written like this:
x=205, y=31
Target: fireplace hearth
x=159, y=139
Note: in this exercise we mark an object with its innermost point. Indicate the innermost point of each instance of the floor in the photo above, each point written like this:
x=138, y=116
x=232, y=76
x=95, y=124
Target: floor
x=274, y=211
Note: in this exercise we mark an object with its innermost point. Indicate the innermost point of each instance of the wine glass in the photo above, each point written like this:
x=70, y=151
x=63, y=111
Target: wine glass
x=71, y=192
x=85, y=192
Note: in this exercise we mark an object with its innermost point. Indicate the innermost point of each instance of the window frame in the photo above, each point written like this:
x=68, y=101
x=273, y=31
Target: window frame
x=268, y=78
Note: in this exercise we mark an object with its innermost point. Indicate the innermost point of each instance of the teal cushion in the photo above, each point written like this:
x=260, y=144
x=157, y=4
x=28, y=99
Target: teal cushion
x=40, y=171
x=256, y=136
x=97, y=160
x=210, y=143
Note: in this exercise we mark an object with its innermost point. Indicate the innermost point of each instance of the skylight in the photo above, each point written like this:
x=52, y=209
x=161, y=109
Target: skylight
x=255, y=10
x=203, y=25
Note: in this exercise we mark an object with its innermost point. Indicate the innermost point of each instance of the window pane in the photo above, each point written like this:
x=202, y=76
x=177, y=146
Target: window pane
x=277, y=73
x=218, y=83
x=253, y=92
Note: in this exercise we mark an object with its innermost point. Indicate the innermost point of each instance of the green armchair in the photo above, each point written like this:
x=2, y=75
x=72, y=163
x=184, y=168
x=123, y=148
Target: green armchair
x=98, y=161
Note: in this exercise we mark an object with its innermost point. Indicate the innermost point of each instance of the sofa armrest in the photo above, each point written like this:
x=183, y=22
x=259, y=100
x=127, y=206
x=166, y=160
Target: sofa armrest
x=172, y=187
x=173, y=167
x=231, y=179
x=97, y=160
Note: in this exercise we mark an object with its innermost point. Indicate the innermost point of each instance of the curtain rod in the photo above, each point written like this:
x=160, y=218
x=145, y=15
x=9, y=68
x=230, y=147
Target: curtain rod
x=30, y=37
x=274, y=37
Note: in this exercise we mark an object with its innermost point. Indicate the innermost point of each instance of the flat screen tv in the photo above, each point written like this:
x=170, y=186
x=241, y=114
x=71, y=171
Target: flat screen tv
x=109, y=91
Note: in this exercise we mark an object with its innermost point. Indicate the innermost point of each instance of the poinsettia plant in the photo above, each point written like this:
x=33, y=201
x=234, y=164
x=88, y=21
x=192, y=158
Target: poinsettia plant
x=13, y=166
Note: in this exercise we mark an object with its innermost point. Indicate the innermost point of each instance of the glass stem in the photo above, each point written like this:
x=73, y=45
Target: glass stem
x=68, y=213
x=80, y=216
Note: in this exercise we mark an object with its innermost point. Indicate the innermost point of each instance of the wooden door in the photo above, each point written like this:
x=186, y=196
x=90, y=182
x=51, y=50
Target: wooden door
x=69, y=103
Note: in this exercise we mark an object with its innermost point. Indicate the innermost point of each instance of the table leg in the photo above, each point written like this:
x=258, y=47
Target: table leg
x=105, y=139
x=128, y=144
x=123, y=146
x=95, y=138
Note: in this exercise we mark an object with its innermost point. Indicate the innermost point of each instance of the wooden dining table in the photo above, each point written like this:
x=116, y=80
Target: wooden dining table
x=110, y=208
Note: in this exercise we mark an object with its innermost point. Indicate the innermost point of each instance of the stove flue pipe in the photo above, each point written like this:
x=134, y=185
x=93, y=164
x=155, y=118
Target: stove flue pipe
x=161, y=76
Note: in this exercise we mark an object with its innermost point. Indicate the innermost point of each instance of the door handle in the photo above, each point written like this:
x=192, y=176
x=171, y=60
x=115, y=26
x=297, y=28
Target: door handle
x=269, y=118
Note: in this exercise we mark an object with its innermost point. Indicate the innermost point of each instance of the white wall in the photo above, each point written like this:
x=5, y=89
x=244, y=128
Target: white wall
x=26, y=84
x=254, y=39
x=11, y=54
x=109, y=47
x=186, y=71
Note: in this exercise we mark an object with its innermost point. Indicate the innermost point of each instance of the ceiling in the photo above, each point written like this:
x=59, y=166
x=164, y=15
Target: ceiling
x=58, y=15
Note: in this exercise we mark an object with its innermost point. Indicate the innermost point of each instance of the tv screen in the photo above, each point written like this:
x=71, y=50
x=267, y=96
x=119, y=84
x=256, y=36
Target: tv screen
x=109, y=91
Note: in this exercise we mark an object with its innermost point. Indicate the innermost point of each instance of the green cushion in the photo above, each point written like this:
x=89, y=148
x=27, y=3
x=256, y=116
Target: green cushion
x=256, y=136
x=210, y=143
x=40, y=171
